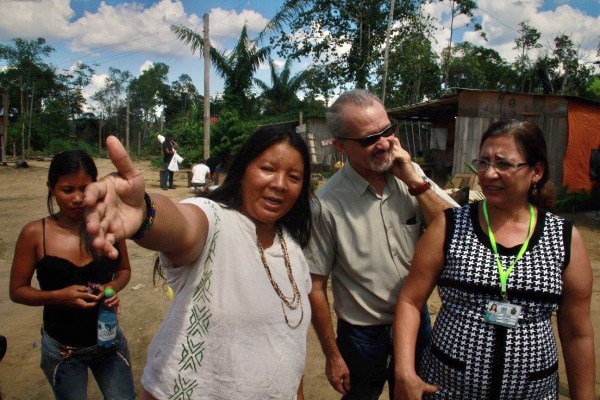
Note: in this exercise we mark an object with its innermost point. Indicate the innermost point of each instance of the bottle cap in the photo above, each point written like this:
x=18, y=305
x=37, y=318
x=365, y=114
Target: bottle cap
x=109, y=292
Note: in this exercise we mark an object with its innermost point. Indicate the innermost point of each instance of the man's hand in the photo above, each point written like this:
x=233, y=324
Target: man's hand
x=115, y=203
x=402, y=166
x=338, y=374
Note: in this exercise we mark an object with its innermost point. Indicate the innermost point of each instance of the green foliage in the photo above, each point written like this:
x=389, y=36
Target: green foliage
x=280, y=97
x=525, y=43
x=320, y=28
x=413, y=70
x=229, y=133
x=63, y=144
x=576, y=201
x=593, y=89
x=237, y=67
x=477, y=67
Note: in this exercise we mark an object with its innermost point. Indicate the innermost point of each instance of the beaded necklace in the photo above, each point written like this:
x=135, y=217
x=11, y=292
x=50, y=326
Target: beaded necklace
x=291, y=303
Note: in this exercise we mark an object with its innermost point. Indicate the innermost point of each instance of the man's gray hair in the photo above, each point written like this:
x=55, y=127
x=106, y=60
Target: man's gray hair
x=334, y=117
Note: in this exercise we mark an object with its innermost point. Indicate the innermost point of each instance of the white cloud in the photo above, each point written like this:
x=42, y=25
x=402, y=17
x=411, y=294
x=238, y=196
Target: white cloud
x=228, y=24
x=501, y=26
x=49, y=17
x=126, y=27
x=146, y=65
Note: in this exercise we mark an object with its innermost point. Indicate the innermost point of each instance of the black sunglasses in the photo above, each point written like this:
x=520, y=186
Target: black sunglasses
x=372, y=139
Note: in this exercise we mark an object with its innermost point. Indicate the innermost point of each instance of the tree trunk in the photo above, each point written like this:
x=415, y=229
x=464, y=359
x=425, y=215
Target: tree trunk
x=30, y=116
x=22, y=120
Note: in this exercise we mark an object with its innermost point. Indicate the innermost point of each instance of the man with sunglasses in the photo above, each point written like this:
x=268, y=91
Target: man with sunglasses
x=365, y=228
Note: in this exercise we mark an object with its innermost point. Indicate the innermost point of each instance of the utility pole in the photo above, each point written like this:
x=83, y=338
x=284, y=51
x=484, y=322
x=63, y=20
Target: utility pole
x=206, y=89
x=127, y=124
x=5, y=123
x=387, y=47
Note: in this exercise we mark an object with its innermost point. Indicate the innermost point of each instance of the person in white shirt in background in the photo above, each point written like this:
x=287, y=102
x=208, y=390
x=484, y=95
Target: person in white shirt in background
x=200, y=176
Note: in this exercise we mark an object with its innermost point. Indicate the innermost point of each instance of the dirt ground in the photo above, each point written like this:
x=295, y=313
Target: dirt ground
x=23, y=198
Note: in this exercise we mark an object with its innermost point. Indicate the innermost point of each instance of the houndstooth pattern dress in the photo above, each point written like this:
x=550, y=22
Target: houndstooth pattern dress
x=469, y=358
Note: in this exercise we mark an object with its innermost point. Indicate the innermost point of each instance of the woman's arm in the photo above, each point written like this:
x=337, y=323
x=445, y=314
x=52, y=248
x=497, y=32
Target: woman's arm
x=575, y=325
x=117, y=209
x=22, y=270
x=426, y=266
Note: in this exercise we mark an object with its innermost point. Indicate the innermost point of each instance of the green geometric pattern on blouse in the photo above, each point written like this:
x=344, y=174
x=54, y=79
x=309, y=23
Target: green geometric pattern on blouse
x=192, y=351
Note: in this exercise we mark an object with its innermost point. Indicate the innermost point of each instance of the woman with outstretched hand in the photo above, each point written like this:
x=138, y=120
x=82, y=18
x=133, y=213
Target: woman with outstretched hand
x=237, y=325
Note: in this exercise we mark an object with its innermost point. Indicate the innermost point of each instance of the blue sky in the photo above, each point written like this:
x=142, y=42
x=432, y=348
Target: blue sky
x=131, y=35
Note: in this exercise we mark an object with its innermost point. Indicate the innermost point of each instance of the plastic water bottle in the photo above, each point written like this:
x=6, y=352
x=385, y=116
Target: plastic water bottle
x=107, y=322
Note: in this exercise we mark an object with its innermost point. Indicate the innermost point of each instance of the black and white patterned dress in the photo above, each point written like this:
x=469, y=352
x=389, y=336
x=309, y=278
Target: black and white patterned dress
x=469, y=358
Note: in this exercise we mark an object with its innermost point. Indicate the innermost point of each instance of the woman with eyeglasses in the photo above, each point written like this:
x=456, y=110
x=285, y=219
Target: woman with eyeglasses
x=509, y=251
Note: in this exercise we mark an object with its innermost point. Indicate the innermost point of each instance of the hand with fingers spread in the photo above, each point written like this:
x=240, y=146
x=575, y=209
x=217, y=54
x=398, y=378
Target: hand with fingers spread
x=115, y=203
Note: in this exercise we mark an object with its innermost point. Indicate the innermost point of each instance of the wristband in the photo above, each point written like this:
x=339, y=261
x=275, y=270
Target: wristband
x=148, y=221
x=420, y=189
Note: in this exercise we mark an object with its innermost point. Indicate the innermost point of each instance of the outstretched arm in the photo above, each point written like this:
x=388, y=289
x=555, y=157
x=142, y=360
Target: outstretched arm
x=116, y=210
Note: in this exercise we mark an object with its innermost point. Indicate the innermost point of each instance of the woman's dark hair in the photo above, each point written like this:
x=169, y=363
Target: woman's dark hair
x=67, y=163
x=530, y=140
x=297, y=221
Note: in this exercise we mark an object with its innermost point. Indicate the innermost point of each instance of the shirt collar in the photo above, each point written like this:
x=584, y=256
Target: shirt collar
x=361, y=185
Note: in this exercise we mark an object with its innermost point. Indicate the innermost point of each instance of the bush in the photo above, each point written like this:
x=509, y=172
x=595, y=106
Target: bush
x=576, y=201
x=59, y=145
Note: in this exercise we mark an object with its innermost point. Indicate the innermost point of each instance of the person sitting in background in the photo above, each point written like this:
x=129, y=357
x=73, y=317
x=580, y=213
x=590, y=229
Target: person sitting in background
x=200, y=176
x=508, y=255
x=239, y=317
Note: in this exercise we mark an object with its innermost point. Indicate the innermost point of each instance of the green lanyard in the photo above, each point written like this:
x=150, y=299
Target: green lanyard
x=504, y=273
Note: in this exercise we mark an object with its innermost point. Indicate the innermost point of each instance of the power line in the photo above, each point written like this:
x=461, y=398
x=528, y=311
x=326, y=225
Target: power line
x=509, y=27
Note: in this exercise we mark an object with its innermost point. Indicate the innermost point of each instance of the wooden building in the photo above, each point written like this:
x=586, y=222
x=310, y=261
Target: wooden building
x=451, y=128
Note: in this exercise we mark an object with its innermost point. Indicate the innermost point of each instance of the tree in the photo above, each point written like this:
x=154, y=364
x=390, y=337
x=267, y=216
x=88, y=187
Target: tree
x=459, y=7
x=525, y=43
x=111, y=99
x=343, y=37
x=593, y=89
x=182, y=97
x=73, y=83
x=575, y=75
x=237, y=67
x=280, y=97
x=477, y=67
x=414, y=73
x=24, y=61
x=560, y=70
x=147, y=93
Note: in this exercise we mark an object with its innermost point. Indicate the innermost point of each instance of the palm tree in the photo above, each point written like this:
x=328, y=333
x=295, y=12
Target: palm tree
x=280, y=97
x=236, y=68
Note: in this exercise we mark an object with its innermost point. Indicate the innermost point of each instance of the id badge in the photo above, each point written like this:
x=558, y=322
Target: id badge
x=505, y=314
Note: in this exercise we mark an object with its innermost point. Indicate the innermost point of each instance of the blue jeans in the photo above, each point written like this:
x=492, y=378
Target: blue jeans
x=167, y=176
x=66, y=368
x=369, y=354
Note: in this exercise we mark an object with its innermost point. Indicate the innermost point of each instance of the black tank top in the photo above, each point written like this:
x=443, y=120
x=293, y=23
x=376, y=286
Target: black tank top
x=70, y=326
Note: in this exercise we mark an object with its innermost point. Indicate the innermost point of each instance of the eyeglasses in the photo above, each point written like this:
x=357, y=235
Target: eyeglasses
x=372, y=139
x=500, y=165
